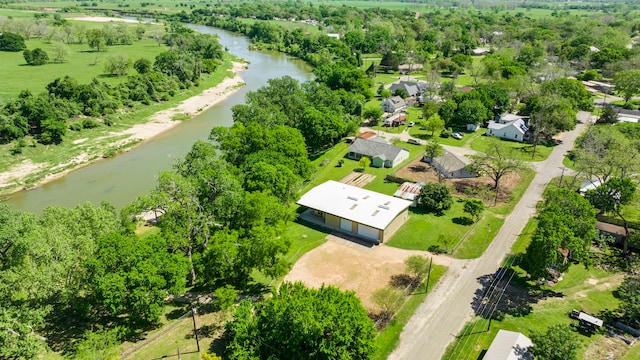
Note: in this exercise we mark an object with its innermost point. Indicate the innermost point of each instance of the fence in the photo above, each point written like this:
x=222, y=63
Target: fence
x=127, y=353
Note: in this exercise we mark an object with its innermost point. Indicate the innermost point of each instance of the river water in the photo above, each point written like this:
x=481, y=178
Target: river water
x=121, y=179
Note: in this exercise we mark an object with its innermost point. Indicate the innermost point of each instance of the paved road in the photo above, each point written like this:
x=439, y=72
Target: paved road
x=445, y=311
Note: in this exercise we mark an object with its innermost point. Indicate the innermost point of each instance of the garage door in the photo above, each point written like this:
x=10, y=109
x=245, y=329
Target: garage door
x=368, y=231
x=346, y=225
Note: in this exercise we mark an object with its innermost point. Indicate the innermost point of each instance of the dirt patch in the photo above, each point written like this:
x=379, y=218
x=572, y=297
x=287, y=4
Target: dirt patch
x=350, y=266
x=357, y=179
x=19, y=172
x=605, y=348
x=419, y=171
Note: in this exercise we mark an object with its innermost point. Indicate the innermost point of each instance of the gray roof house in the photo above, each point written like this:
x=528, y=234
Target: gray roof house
x=381, y=154
x=412, y=88
x=393, y=104
x=509, y=345
x=451, y=166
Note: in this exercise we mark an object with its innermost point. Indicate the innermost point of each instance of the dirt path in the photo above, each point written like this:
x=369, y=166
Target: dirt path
x=355, y=267
x=441, y=317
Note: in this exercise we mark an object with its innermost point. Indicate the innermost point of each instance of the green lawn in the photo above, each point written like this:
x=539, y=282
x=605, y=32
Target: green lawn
x=387, y=339
x=468, y=138
x=522, y=151
x=573, y=292
x=83, y=65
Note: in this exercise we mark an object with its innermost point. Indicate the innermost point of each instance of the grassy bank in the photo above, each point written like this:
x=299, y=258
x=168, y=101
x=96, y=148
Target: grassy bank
x=82, y=147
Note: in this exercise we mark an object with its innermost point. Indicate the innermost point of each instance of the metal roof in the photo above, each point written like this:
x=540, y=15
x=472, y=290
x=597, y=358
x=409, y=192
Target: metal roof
x=353, y=203
x=509, y=345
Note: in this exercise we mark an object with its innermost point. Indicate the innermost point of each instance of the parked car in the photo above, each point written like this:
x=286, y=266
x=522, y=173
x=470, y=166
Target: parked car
x=413, y=141
x=457, y=135
x=411, y=124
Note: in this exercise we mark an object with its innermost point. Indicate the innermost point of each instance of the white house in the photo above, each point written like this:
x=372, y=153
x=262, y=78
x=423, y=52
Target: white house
x=356, y=211
x=508, y=127
x=393, y=104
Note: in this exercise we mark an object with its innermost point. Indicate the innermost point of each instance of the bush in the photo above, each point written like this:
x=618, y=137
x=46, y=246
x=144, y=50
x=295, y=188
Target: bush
x=445, y=133
x=90, y=123
x=224, y=297
x=12, y=42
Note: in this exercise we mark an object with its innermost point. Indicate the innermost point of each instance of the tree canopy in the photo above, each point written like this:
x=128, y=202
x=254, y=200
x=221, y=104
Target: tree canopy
x=301, y=323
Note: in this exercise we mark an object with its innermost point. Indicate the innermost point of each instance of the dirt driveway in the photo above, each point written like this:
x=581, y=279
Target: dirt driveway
x=350, y=266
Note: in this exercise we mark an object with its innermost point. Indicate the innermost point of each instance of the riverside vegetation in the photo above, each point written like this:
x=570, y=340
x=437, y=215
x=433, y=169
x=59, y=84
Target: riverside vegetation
x=75, y=281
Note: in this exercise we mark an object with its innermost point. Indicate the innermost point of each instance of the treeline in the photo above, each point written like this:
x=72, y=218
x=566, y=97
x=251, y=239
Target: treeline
x=48, y=115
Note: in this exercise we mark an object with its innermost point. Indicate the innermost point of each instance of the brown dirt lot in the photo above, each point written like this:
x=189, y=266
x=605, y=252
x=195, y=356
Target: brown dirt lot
x=350, y=266
x=419, y=171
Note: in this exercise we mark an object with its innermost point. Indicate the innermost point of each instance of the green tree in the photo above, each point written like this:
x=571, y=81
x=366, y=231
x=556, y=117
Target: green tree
x=435, y=197
x=130, y=277
x=629, y=294
x=559, y=342
x=470, y=112
x=373, y=114
x=99, y=345
x=35, y=57
x=433, y=150
x=549, y=117
x=474, y=208
x=607, y=116
x=96, y=39
x=61, y=52
x=142, y=66
x=388, y=300
x=434, y=124
x=416, y=266
x=11, y=42
x=566, y=222
x=301, y=323
x=365, y=162
x=612, y=196
x=117, y=65
x=571, y=90
x=627, y=83
x=495, y=163
x=603, y=152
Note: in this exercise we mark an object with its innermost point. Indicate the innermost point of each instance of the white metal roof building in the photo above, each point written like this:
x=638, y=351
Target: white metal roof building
x=355, y=210
x=509, y=345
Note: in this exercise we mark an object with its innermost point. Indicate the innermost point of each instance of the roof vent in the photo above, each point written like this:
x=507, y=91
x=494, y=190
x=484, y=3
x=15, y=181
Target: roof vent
x=375, y=213
x=353, y=206
x=352, y=198
x=383, y=207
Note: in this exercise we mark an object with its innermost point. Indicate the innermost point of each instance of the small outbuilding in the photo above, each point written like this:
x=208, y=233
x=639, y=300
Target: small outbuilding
x=409, y=191
x=509, y=345
x=356, y=211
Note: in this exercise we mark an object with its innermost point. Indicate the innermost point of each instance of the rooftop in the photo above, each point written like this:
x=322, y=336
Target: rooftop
x=509, y=345
x=353, y=203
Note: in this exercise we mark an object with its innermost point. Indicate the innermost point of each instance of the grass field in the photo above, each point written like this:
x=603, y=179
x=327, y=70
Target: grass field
x=83, y=65
x=522, y=151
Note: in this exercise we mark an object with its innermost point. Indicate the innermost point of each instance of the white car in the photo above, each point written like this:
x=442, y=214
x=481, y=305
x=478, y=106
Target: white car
x=411, y=124
x=457, y=135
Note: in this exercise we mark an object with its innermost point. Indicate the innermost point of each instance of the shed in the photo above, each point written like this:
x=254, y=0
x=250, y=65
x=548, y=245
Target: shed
x=409, y=191
x=509, y=345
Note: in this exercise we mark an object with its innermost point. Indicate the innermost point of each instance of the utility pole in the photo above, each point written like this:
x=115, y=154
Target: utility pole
x=562, y=175
x=426, y=290
x=195, y=329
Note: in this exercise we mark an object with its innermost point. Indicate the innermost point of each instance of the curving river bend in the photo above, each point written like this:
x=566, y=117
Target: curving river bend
x=121, y=179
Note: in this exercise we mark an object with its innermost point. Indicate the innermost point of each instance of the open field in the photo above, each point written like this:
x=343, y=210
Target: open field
x=83, y=65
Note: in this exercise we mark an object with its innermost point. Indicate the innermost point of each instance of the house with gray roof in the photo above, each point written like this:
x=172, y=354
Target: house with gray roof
x=451, y=166
x=411, y=87
x=381, y=154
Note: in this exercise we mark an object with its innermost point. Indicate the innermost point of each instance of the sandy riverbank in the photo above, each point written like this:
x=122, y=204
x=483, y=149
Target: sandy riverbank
x=11, y=180
x=103, y=19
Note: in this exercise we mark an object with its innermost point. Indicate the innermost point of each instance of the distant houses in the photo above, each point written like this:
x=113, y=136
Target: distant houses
x=380, y=153
x=508, y=127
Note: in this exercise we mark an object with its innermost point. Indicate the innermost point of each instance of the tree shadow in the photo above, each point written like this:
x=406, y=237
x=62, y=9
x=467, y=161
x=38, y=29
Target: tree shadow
x=507, y=293
x=176, y=313
x=462, y=220
x=401, y=281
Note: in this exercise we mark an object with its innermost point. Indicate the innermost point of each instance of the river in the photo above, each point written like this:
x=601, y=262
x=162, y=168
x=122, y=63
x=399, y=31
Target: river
x=121, y=179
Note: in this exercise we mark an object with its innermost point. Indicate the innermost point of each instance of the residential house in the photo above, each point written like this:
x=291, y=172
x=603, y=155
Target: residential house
x=393, y=104
x=480, y=51
x=381, y=154
x=409, y=191
x=589, y=185
x=395, y=119
x=451, y=166
x=412, y=88
x=354, y=210
x=508, y=127
x=509, y=345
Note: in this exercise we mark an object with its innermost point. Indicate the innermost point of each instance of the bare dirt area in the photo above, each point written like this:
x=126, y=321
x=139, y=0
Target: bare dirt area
x=605, y=348
x=419, y=171
x=350, y=266
x=357, y=179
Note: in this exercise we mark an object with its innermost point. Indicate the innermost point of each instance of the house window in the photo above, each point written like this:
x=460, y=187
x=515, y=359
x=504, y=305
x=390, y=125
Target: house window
x=505, y=134
x=516, y=136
